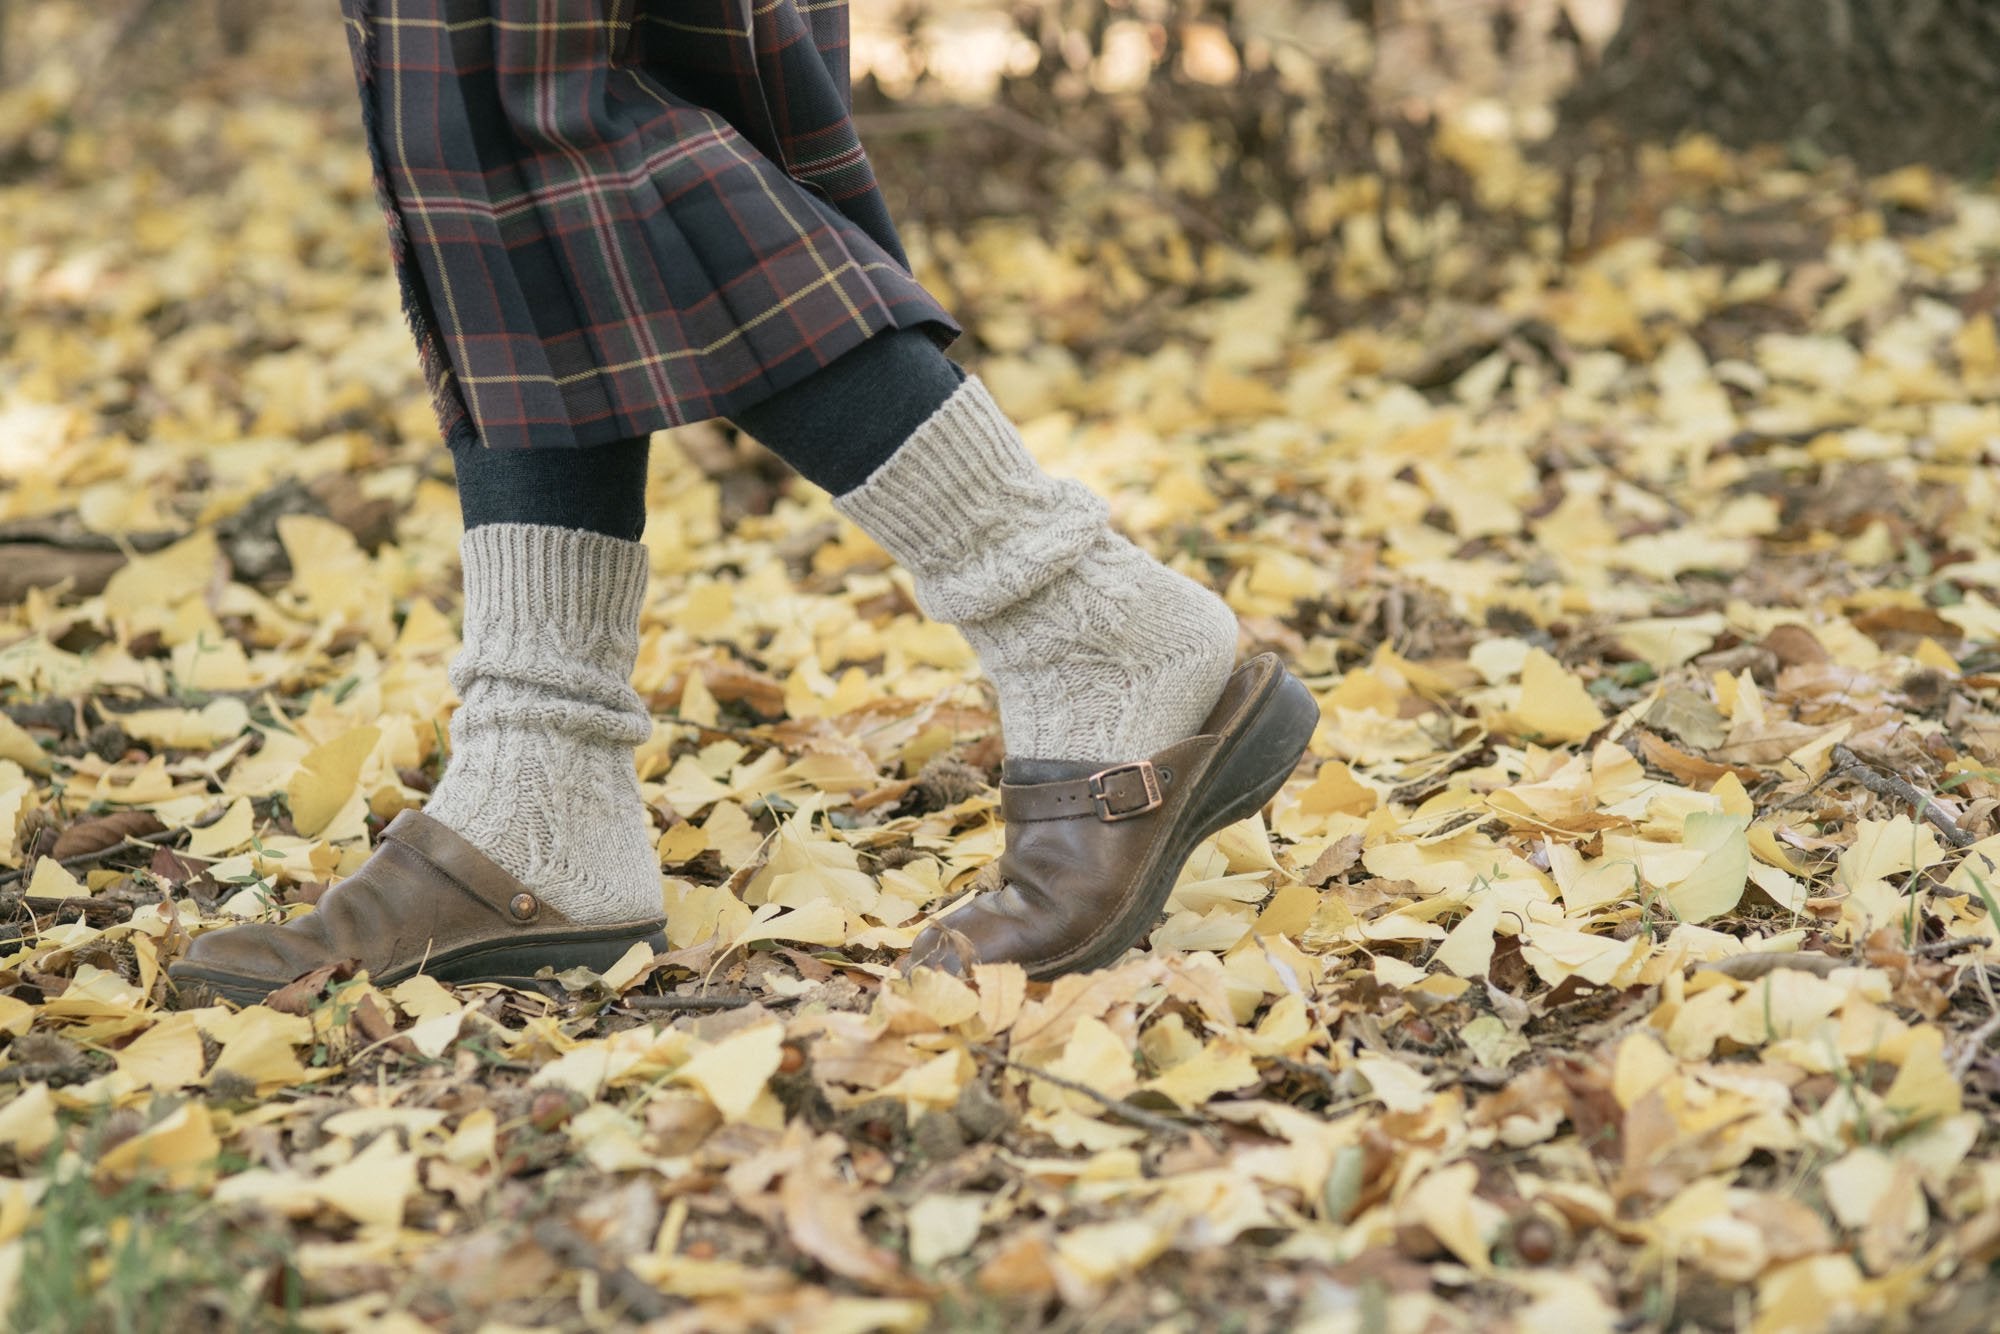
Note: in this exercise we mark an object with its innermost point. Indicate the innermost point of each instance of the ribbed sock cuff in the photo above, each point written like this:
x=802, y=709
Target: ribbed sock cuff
x=552, y=616
x=965, y=508
x=524, y=580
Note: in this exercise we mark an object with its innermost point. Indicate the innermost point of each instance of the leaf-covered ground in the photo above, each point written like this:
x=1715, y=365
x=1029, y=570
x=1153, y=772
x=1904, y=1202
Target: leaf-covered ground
x=1622, y=956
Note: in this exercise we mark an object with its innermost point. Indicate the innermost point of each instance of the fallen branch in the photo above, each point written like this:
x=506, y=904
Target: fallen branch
x=1750, y=967
x=1888, y=785
x=1118, y=1107
x=97, y=912
x=66, y=532
x=43, y=552
x=689, y=1004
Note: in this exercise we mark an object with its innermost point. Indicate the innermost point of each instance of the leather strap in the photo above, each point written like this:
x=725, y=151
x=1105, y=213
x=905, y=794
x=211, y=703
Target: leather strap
x=1116, y=792
x=449, y=858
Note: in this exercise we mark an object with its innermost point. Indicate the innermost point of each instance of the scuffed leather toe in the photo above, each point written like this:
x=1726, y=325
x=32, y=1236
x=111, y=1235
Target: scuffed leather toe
x=255, y=949
x=425, y=901
x=938, y=946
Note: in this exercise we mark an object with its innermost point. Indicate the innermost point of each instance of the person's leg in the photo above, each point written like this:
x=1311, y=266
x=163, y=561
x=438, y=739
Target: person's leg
x=1099, y=652
x=540, y=777
x=600, y=490
x=534, y=850
x=840, y=424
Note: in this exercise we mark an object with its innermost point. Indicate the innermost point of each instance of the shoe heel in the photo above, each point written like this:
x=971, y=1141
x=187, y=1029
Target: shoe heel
x=1258, y=765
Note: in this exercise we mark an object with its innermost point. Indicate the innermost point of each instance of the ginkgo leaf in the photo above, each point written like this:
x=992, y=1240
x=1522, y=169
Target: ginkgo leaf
x=18, y=746
x=943, y=1226
x=1468, y=950
x=231, y=833
x=179, y=1149
x=732, y=1073
x=1554, y=705
x=28, y=1121
x=1716, y=885
x=326, y=777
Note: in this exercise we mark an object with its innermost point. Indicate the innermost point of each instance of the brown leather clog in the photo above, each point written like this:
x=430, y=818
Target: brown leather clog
x=1093, y=851
x=426, y=901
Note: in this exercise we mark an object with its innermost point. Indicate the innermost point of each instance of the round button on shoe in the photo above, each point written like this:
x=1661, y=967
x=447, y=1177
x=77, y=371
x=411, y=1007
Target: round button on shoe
x=524, y=906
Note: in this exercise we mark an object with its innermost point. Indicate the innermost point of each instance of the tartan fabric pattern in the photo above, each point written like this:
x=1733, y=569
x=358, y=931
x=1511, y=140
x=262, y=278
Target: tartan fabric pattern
x=614, y=216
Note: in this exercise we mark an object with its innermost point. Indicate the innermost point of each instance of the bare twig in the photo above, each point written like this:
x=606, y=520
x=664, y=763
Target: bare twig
x=759, y=735
x=158, y=840
x=1118, y=1107
x=1888, y=785
x=1800, y=798
x=1975, y=1042
x=1318, y=1074
x=1944, y=949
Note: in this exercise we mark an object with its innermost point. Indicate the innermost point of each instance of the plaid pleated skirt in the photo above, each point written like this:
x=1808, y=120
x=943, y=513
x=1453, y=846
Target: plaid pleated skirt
x=614, y=216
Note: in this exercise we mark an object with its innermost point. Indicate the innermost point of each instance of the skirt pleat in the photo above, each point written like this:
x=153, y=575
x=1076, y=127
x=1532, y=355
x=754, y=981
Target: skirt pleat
x=609, y=220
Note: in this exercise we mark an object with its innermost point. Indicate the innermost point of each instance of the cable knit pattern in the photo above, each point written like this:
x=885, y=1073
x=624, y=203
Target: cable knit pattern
x=1099, y=652
x=966, y=510
x=541, y=777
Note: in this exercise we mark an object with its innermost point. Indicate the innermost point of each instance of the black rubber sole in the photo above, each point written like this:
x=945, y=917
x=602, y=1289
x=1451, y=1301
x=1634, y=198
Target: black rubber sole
x=512, y=963
x=1248, y=776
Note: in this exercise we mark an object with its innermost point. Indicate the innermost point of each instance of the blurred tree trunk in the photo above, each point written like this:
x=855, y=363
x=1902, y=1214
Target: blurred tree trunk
x=1887, y=82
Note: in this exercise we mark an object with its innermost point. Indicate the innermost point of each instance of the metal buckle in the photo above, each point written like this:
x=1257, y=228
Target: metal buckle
x=1143, y=768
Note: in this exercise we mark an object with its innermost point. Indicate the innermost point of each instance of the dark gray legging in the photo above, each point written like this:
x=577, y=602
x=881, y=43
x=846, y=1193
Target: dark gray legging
x=835, y=427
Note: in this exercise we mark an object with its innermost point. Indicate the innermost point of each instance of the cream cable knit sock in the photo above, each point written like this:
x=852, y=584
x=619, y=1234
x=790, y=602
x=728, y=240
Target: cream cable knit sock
x=1100, y=652
x=541, y=777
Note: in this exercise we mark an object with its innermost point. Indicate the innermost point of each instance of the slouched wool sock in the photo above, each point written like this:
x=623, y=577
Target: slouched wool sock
x=1099, y=652
x=541, y=777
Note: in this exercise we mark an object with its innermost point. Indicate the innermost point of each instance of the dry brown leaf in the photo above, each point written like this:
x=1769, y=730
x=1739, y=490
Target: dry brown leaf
x=104, y=831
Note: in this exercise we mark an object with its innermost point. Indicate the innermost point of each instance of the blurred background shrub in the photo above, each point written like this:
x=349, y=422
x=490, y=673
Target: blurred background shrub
x=1369, y=143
